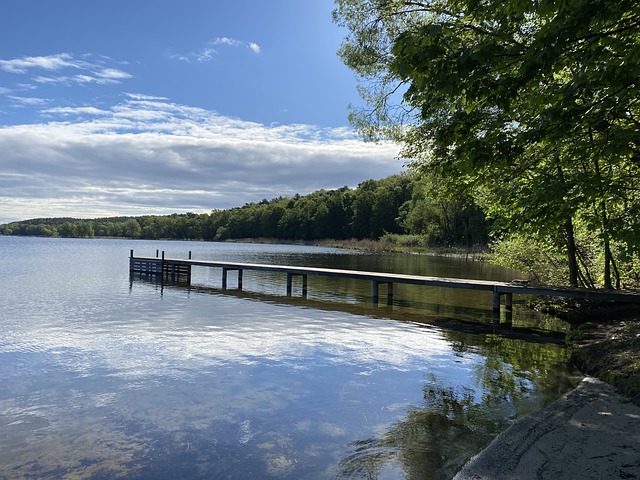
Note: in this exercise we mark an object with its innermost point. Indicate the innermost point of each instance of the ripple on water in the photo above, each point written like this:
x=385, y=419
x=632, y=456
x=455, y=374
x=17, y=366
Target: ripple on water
x=103, y=378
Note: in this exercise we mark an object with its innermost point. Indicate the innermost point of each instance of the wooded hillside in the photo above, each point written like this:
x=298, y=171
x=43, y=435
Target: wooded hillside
x=400, y=204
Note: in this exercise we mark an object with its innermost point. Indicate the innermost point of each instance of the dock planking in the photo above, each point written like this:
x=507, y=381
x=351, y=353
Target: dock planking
x=180, y=269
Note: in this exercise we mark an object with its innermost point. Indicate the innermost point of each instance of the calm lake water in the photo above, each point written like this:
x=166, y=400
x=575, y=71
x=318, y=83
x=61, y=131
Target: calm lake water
x=106, y=376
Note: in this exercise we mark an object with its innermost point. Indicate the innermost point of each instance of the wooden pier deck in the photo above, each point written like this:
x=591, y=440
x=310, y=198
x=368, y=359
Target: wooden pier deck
x=177, y=269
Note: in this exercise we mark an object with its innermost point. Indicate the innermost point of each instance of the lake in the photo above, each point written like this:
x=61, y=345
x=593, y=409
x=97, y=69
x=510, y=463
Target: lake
x=107, y=376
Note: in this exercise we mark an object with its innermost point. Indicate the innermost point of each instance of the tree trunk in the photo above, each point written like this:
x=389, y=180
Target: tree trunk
x=570, y=240
x=571, y=253
x=607, y=264
x=605, y=232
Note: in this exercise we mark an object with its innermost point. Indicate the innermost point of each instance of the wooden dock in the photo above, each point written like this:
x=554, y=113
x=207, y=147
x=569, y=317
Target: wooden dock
x=176, y=269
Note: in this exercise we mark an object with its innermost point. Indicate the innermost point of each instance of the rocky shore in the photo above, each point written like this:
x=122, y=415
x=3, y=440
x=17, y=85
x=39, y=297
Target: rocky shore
x=593, y=432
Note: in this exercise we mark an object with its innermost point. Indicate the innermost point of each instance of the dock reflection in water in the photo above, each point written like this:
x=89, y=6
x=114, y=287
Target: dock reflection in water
x=101, y=380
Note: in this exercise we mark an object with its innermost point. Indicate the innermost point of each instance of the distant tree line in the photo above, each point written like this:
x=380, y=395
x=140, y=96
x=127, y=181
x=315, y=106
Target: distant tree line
x=397, y=205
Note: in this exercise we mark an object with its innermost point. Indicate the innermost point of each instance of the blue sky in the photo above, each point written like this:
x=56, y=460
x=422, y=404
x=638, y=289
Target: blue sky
x=155, y=106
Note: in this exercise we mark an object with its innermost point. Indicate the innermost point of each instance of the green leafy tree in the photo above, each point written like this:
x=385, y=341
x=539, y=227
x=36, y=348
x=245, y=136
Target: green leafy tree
x=362, y=209
x=131, y=228
x=376, y=205
x=444, y=217
x=533, y=106
x=270, y=215
x=389, y=196
x=153, y=228
x=85, y=229
x=68, y=229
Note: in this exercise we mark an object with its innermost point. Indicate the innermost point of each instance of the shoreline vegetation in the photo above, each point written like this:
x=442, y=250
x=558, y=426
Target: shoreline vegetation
x=609, y=349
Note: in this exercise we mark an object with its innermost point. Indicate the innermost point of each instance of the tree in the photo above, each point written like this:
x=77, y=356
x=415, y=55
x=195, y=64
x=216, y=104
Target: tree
x=389, y=196
x=68, y=229
x=131, y=228
x=444, y=217
x=532, y=106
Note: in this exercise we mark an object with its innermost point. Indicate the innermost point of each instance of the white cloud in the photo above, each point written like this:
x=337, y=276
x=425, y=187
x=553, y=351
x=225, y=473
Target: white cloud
x=51, y=62
x=76, y=111
x=232, y=42
x=142, y=96
x=147, y=155
x=112, y=74
x=202, y=56
x=28, y=101
x=68, y=69
x=205, y=55
x=209, y=52
x=62, y=79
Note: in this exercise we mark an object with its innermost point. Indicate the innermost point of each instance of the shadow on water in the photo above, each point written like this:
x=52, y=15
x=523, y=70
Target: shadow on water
x=451, y=425
x=457, y=318
x=454, y=424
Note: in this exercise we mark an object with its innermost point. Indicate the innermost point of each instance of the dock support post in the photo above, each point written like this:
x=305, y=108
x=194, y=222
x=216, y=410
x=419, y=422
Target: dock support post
x=496, y=303
x=508, y=304
x=225, y=276
x=189, y=270
x=290, y=284
x=162, y=267
x=375, y=287
x=508, y=301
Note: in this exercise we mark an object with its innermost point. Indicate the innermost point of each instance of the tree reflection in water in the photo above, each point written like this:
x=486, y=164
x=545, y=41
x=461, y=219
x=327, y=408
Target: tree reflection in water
x=455, y=422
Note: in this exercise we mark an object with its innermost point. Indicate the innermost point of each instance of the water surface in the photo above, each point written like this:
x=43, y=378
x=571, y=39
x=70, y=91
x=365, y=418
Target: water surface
x=104, y=376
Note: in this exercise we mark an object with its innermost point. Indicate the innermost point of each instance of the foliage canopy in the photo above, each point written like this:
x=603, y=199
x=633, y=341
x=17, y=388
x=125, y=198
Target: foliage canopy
x=531, y=106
